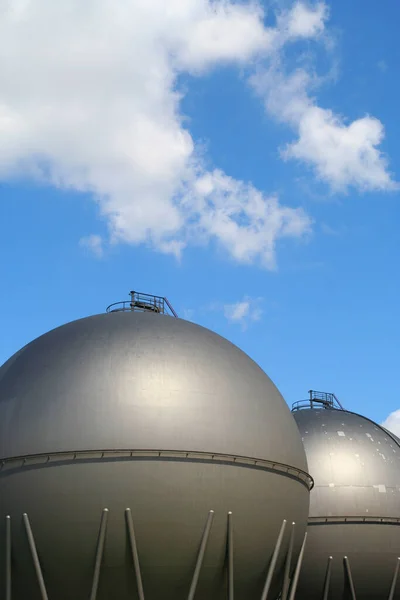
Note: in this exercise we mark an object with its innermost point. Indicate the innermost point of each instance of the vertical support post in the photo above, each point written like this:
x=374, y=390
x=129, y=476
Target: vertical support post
x=99, y=554
x=272, y=564
x=327, y=581
x=200, y=557
x=349, y=577
x=296, y=575
x=286, y=577
x=135, y=554
x=132, y=304
x=230, y=557
x=35, y=558
x=8, y=557
x=394, y=580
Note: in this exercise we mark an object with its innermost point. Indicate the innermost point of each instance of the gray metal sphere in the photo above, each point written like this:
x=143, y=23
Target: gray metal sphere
x=354, y=506
x=158, y=415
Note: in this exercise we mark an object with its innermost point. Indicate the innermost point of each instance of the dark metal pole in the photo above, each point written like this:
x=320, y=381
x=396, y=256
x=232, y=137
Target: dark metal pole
x=36, y=563
x=394, y=581
x=170, y=307
x=272, y=565
x=349, y=578
x=286, y=577
x=132, y=295
x=200, y=557
x=297, y=571
x=135, y=554
x=327, y=581
x=8, y=557
x=230, y=557
x=99, y=554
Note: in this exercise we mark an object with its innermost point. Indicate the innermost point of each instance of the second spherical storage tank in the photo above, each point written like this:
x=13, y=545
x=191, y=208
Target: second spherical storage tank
x=354, y=525
x=160, y=416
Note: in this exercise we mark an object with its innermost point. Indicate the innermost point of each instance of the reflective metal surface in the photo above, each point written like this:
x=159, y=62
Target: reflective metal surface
x=354, y=506
x=124, y=380
x=161, y=416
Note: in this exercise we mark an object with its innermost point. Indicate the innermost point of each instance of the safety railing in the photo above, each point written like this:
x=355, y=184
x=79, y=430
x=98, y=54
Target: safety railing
x=141, y=302
x=318, y=400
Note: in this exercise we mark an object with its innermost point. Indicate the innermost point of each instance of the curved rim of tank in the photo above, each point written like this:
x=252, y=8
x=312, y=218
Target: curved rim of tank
x=29, y=461
x=300, y=406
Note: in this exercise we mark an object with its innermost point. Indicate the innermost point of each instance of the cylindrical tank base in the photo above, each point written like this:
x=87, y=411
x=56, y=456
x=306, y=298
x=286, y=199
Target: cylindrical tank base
x=170, y=502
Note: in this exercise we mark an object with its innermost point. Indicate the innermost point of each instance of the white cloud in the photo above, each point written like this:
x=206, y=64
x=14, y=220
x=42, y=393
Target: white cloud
x=89, y=101
x=223, y=31
x=188, y=314
x=244, y=221
x=303, y=21
x=342, y=153
x=244, y=311
x=392, y=422
x=94, y=244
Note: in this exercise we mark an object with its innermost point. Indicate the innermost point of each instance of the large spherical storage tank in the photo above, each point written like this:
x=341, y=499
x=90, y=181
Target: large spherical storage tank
x=157, y=415
x=354, y=507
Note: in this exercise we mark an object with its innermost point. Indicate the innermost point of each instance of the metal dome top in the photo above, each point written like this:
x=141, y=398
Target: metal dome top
x=355, y=464
x=353, y=541
x=131, y=379
x=123, y=438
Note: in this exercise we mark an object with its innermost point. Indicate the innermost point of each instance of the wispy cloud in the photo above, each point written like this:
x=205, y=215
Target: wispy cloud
x=244, y=311
x=101, y=113
x=245, y=221
x=332, y=231
x=94, y=244
x=188, y=314
x=392, y=422
x=340, y=152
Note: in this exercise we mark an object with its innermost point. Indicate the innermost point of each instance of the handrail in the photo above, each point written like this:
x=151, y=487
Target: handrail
x=304, y=404
x=122, y=302
x=320, y=400
x=170, y=307
x=45, y=458
x=339, y=519
x=142, y=302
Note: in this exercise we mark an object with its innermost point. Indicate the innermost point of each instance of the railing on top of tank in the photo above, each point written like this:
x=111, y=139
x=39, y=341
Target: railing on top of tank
x=141, y=302
x=318, y=400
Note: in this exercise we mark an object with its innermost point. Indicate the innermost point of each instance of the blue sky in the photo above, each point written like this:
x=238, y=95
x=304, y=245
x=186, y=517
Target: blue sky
x=244, y=164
